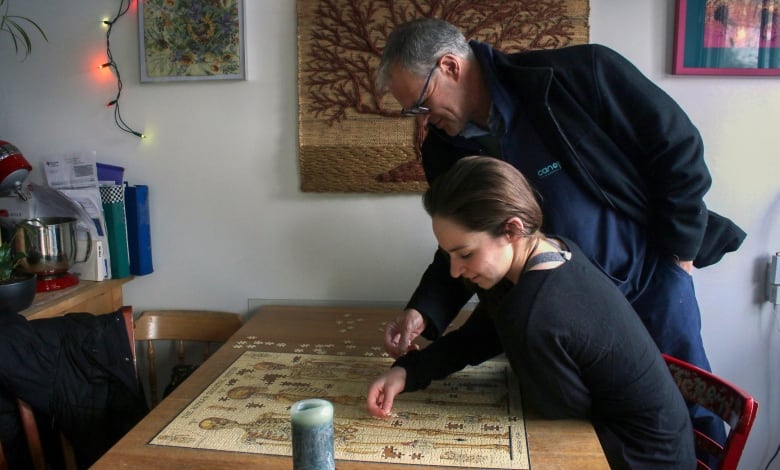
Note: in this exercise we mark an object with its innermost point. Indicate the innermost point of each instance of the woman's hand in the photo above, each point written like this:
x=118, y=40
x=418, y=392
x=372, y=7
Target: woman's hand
x=383, y=390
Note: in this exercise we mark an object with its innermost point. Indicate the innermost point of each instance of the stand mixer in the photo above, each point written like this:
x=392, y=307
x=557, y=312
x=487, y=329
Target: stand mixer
x=14, y=169
x=47, y=239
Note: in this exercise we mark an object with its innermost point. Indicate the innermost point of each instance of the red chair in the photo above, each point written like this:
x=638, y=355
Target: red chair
x=729, y=402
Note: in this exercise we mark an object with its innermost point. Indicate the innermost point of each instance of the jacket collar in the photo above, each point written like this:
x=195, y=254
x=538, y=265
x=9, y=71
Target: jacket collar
x=499, y=70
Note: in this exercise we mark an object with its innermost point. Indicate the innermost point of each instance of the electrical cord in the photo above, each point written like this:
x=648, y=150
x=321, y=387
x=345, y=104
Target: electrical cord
x=773, y=457
x=124, y=6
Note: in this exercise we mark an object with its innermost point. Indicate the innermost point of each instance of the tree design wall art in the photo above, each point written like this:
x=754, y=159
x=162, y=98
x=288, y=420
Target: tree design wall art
x=352, y=137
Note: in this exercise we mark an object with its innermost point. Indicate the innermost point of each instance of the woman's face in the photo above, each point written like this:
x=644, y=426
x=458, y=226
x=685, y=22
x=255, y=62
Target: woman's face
x=475, y=256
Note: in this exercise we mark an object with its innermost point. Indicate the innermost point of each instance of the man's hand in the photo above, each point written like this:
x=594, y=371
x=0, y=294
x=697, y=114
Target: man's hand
x=383, y=390
x=687, y=266
x=401, y=331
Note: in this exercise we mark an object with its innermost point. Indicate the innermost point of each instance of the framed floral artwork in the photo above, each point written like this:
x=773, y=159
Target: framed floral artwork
x=727, y=37
x=193, y=40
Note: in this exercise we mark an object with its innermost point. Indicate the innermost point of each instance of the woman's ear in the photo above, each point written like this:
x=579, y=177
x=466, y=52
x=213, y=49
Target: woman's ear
x=515, y=228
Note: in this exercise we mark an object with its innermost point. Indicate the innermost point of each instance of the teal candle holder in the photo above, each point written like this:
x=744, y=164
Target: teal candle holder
x=312, y=435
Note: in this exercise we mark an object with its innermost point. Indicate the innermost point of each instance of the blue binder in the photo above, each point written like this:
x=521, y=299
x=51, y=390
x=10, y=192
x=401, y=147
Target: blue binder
x=139, y=238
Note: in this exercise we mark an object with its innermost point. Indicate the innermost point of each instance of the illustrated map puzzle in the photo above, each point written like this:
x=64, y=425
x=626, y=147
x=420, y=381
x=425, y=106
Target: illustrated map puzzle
x=472, y=419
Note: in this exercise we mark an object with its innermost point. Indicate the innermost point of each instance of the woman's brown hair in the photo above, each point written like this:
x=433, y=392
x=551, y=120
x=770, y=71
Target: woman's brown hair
x=481, y=193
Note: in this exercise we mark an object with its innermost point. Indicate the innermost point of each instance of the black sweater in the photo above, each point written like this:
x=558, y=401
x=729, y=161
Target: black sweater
x=579, y=351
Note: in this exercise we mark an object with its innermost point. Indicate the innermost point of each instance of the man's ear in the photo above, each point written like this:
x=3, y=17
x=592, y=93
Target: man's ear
x=451, y=65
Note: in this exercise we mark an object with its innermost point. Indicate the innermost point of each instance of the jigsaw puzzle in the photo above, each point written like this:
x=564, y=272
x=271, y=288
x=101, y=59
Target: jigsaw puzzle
x=473, y=419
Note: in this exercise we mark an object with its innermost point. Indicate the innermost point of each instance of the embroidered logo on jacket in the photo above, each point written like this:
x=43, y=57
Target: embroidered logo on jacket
x=549, y=169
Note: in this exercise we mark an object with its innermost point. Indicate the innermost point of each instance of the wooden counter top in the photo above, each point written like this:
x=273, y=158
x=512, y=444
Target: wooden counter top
x=86, y=296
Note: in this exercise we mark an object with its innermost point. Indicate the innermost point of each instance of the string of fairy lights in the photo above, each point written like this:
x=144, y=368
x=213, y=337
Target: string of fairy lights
x=124, y=6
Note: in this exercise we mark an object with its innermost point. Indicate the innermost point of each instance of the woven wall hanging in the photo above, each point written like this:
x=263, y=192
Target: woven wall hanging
x=351, y=138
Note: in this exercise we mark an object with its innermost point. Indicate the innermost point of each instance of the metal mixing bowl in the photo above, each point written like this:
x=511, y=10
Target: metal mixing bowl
x=49, y=244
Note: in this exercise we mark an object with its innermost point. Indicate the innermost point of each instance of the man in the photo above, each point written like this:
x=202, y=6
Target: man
x=617, y=164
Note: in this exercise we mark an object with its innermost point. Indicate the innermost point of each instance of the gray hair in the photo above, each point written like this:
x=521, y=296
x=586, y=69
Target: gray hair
x=418, y=44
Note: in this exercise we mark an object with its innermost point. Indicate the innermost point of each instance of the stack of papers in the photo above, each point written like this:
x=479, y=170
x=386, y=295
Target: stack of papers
x=75, y=176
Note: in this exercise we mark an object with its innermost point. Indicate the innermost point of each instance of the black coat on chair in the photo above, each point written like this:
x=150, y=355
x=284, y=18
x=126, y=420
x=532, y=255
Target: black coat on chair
x=78, y=371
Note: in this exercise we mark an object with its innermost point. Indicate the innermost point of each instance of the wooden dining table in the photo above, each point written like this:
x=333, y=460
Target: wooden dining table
x=551, y=444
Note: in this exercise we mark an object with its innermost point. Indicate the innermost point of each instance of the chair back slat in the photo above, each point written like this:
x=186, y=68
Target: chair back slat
x=182, y=326
x=190, y=325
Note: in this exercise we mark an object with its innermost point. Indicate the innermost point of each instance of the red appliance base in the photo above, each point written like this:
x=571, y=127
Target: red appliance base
x=59, y=281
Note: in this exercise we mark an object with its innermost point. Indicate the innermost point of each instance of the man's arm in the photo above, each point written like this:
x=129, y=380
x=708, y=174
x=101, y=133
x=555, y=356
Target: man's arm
x=665, y=147
x=474, y=342
x=435, y=303
x=439, y=296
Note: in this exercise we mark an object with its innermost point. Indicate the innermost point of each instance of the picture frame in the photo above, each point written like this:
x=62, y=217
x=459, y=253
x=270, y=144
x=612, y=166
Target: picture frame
x=195, y=40
x=727, y=37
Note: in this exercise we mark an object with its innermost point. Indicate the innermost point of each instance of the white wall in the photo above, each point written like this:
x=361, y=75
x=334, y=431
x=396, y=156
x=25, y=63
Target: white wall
x=228, y=220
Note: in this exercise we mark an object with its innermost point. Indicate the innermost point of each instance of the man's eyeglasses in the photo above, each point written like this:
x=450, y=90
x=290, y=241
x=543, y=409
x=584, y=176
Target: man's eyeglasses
x=417, y=108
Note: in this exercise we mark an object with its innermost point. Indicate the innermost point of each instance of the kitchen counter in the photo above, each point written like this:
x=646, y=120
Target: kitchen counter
x=86, y=296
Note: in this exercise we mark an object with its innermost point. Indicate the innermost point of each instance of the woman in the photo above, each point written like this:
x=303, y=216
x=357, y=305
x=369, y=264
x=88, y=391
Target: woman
x=575, y=343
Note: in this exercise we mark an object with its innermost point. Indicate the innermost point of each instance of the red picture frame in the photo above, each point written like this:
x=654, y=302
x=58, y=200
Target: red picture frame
x=727, y=37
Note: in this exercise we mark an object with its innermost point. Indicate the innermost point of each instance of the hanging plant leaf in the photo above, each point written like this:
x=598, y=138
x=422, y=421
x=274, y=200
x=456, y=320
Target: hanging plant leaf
x=16, y=26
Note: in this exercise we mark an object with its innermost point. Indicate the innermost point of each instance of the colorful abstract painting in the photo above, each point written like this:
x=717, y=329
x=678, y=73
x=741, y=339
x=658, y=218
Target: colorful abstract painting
x=191, y=40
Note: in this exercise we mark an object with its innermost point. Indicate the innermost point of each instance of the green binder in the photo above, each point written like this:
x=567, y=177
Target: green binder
x=113, y=198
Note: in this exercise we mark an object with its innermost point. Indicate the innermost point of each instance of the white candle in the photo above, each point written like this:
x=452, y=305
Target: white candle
x=312, y=435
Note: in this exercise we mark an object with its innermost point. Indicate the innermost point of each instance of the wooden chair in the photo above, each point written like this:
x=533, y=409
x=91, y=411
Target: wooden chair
x=30, y=426
x=736, y=408
x=182, y=326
